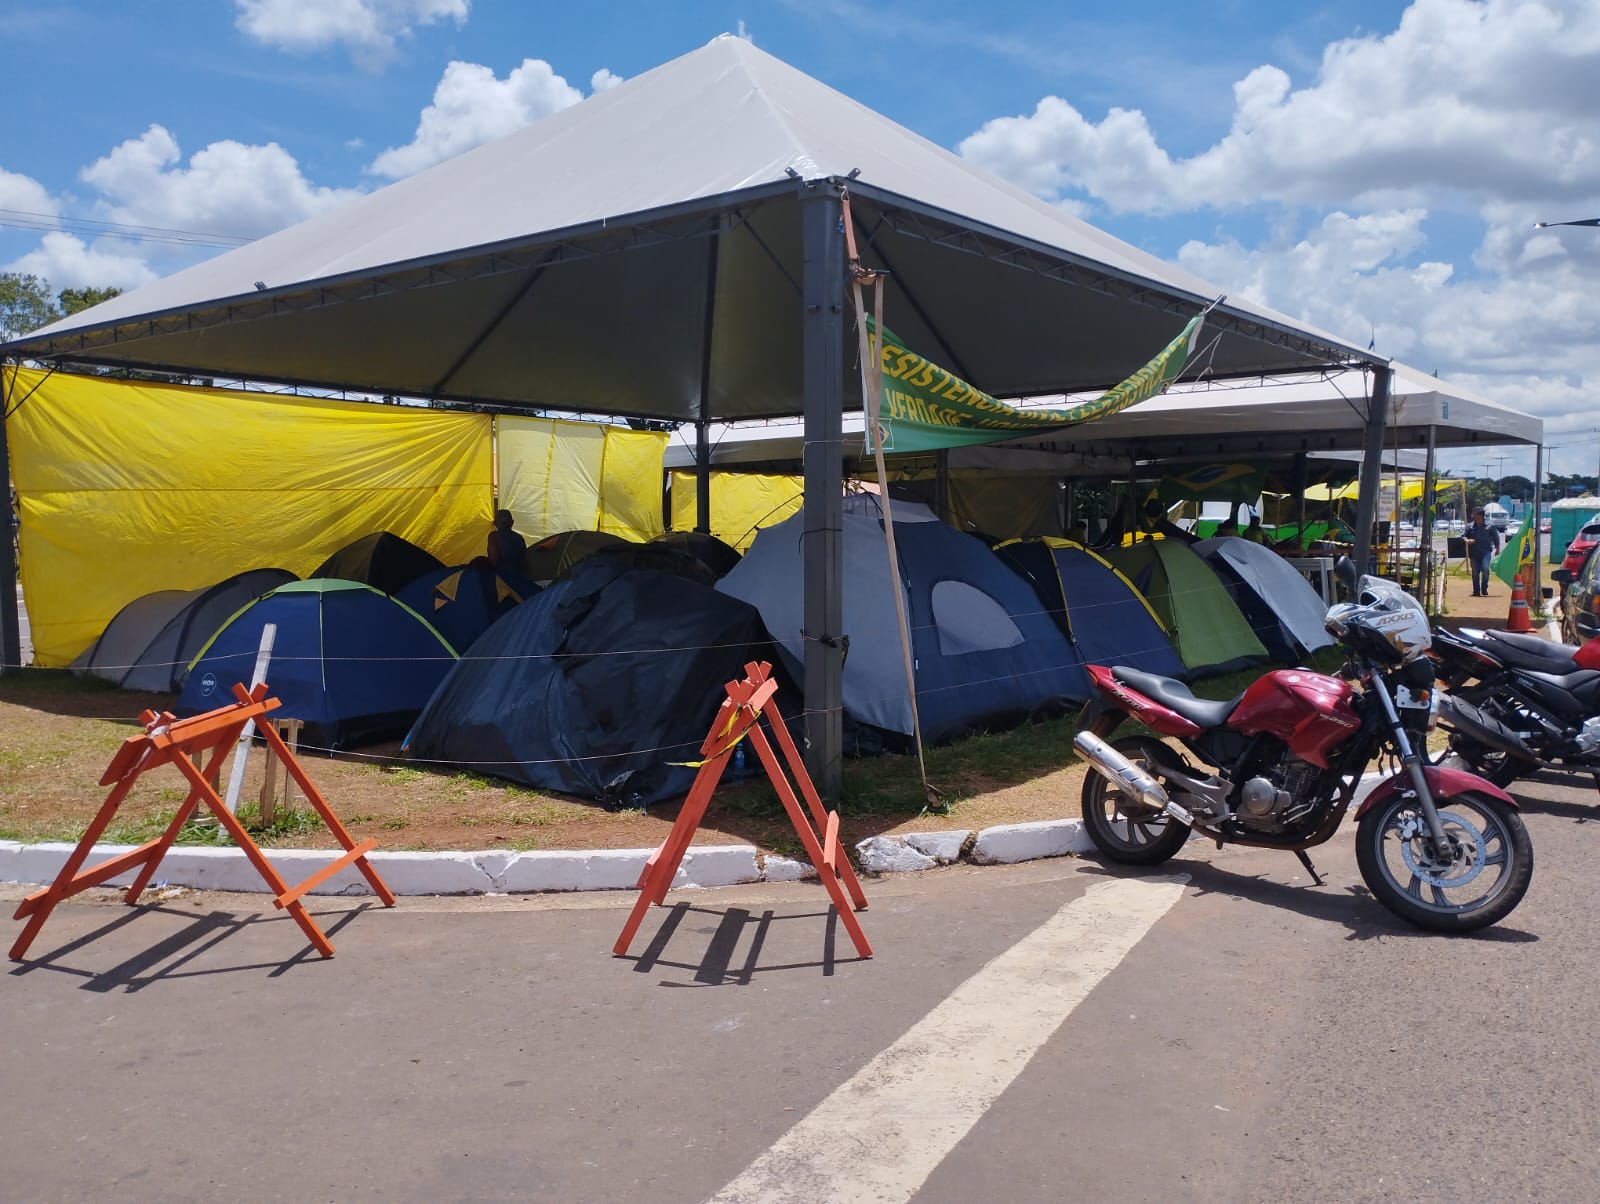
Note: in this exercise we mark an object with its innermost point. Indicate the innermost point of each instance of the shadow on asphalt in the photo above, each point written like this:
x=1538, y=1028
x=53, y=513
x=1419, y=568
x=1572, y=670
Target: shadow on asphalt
x=1352, y=905
x=1526, y=792
x=715, y=968
x=201, y=934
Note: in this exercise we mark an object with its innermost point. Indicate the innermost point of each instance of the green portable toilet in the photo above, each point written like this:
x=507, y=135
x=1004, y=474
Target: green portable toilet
x=1567, y=518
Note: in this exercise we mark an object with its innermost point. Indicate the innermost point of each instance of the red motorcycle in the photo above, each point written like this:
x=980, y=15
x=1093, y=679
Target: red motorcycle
x=1439, y=847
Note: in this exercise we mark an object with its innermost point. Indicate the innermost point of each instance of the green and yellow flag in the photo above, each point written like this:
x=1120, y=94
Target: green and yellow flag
x=1516, y=558
x=926, y=408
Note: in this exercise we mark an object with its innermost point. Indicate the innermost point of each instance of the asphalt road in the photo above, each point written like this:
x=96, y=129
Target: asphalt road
x=1259, y=1040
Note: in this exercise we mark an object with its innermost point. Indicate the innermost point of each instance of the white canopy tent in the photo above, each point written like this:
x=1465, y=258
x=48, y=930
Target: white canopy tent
x=672, y=249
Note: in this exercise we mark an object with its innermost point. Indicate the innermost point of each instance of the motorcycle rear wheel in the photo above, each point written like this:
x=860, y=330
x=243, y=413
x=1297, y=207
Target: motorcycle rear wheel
x=1122, y=827
x=1488, y=763
x=1481, y=879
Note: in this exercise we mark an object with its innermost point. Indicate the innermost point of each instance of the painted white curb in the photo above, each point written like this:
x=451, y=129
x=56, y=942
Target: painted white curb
x=416, y=873
x=1011, y=843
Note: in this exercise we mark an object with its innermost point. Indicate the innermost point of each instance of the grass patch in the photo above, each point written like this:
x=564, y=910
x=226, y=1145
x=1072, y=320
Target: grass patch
x=401, y=773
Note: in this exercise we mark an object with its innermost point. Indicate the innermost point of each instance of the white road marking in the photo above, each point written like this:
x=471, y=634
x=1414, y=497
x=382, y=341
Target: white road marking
x=880, y=1135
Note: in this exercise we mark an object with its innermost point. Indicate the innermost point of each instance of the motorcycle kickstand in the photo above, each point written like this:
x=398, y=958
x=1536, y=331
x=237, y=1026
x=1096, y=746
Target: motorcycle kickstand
x=1316, y=878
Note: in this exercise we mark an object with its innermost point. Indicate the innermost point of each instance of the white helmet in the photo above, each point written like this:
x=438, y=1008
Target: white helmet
x=1384, y=622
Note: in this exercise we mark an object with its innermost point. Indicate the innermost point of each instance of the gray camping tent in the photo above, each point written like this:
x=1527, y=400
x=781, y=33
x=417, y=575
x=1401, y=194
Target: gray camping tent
x=673, y=248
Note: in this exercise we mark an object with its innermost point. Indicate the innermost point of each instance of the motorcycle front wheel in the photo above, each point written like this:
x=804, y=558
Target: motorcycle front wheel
x=1121, y=826
x=1473, y=883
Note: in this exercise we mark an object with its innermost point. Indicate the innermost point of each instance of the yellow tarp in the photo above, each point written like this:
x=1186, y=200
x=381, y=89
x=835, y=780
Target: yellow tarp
x=128, y=487
x=741, y=503
x=557, y=475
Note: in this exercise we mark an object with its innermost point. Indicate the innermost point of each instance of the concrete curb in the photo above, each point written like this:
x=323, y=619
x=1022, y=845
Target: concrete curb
x=501, y=872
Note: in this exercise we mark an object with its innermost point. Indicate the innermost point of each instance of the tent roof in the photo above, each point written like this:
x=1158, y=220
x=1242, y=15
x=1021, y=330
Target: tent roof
x=1320, y=414
x=641, y=252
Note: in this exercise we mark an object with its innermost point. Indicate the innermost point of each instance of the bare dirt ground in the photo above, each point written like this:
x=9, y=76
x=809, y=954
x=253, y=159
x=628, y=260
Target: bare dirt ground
x=58, y=734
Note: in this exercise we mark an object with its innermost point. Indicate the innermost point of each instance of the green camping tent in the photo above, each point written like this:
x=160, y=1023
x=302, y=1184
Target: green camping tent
x=1209, y=632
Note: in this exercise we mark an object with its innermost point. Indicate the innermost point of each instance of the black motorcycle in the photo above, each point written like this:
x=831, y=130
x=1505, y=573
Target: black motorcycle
x=1518, y=704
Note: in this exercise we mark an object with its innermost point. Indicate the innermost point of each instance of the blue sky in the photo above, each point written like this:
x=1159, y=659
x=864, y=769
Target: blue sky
x=1369, y=167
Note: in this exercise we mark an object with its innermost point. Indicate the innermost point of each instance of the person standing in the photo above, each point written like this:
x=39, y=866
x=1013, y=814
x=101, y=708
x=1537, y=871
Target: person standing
x=507, y=550
x=1483, y=541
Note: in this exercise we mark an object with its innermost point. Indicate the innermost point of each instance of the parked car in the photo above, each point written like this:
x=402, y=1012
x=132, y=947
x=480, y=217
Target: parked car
x=1587, y=539
x=1580, y=601
x=1544, y=527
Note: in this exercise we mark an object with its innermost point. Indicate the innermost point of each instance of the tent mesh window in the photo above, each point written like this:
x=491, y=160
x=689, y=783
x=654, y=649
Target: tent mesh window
x=969, y=620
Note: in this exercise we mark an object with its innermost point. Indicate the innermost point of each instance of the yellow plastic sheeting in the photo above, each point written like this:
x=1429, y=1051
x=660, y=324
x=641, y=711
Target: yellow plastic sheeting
x=128, y=487
x=741, y=503
x=580, y=476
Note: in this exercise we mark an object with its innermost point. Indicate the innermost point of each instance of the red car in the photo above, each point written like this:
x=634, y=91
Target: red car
x=1578, y=550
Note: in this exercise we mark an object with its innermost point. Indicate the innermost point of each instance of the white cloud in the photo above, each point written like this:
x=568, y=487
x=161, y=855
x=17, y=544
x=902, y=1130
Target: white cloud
x=67, y=262
x=370, y=29
x=603, y=80
x=471, y=106
x=1484, y=100
x=225, y=188
x=24, y=194
x=1524, y=337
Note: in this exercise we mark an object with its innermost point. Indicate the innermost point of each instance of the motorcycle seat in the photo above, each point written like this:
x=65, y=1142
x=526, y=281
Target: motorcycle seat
x=1568, y=683
x=1177, y=697
x=1534, y=644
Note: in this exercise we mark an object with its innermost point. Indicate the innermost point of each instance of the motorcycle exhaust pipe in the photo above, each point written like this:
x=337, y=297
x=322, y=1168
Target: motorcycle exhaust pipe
x=1126, y=776
x=1461, y=716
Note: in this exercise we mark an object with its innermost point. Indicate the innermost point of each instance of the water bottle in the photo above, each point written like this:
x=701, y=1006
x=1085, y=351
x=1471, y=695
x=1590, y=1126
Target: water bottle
x=738, y=762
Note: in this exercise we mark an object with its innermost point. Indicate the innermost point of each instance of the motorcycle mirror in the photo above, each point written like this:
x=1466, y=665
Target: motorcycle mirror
x=1562, y=576
x=1344, y=569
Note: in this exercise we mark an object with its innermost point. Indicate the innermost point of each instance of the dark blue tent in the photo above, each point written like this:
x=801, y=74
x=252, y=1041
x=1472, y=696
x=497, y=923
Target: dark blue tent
x=1095, y=606
x=463, y=601
x=352, y=662
x=985, y=652
x=595, y=687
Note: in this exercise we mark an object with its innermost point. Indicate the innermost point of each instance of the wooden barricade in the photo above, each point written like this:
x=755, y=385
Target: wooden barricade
x=739, y=717
x=167, y=740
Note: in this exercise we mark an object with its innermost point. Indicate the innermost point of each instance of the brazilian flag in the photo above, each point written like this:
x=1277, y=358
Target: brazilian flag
x=1516, y=558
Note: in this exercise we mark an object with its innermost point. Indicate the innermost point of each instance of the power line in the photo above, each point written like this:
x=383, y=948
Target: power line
x=22, y=219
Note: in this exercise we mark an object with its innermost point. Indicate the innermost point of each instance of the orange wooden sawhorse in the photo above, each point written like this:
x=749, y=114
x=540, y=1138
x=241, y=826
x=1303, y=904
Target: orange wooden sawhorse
x=740, y=716
x=170, y=741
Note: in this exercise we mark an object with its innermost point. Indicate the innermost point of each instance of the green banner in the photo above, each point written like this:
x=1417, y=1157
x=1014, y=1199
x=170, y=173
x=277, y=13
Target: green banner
x=926, y=408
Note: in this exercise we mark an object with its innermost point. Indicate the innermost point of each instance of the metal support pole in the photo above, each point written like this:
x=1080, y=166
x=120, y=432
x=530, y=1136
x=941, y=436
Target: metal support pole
x=702, y=437
x=1425, y=526
x=1536, y=586
x=702, y=477
x=822, y=547
x=1301, y=478
x=10, y=624
x=1371, y=466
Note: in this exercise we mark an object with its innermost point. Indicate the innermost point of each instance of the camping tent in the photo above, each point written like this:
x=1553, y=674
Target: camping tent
x=1108, y=621
x=602, y=686
x=462, y=602
x=1207, y=629
x=555, y=554
x=984, y=650
x=1283, y=610
x=350, y=661
x=150, y=642
x=384, y=561
x=708, y=549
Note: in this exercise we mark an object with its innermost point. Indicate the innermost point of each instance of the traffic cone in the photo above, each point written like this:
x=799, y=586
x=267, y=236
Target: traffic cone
x=1517, y=620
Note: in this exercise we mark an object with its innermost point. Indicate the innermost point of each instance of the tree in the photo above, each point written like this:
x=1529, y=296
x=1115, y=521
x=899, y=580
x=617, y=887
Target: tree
x=1520, y=488
x=25, y=304
x=74, y=299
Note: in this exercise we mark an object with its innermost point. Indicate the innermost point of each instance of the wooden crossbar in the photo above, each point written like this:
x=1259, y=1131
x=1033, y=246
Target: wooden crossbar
x=740, y=716
x=168, y=740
